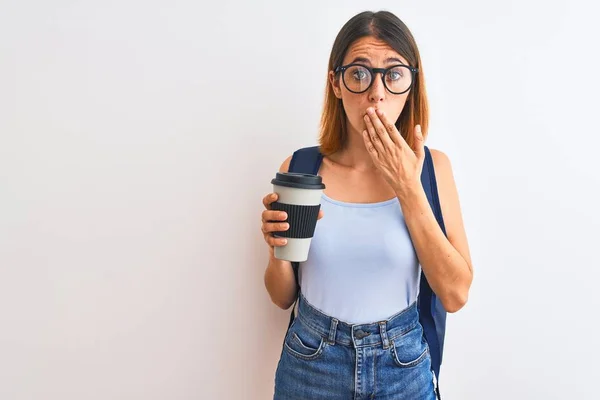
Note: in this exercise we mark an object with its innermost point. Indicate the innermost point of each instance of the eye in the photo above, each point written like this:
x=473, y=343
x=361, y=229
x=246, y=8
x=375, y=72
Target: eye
x=359, y=75
x=394, y=75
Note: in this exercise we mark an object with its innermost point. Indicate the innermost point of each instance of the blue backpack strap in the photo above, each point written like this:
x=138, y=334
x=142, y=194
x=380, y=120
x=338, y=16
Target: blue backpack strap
x=432, y=314
x=306, y=161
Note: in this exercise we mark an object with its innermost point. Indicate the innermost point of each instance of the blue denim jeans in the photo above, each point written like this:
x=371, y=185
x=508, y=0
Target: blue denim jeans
x=324, y=358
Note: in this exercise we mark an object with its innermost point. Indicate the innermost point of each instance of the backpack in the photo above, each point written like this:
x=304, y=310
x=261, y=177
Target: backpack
x=432, y=314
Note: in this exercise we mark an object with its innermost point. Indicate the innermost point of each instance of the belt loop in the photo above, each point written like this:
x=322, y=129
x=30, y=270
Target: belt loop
x=384, y=336
x=332, y=331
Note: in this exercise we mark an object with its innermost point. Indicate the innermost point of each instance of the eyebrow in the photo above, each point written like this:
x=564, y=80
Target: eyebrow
x=387, y=61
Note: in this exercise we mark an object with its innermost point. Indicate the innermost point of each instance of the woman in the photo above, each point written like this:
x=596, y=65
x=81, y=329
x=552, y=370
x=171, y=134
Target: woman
x=357, y=334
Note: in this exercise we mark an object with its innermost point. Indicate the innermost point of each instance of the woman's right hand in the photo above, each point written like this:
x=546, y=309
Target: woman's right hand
x=274, y=221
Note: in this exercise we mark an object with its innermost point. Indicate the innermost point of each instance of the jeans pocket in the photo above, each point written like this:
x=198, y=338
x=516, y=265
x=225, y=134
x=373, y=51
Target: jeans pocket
x=410, y=349
x=302, y=342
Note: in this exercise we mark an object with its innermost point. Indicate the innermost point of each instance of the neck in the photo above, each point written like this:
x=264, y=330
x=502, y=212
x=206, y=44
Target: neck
x=355, y=154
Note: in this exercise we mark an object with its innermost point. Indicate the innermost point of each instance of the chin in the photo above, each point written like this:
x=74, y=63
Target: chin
x=358, y=127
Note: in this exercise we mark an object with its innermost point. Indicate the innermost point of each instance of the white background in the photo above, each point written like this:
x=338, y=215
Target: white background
x=137, y=139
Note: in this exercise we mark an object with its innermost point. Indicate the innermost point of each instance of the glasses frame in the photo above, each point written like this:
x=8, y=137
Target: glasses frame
x=374, y=72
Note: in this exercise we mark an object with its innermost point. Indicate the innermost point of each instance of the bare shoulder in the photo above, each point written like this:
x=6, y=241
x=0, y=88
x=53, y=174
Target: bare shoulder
x=445, y=181
x=450, y=202
x=443, y=172
x=440, y=160
x=285, y=166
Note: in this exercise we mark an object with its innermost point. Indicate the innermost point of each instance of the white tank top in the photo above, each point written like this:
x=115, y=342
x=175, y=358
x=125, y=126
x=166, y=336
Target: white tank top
x=362, y=266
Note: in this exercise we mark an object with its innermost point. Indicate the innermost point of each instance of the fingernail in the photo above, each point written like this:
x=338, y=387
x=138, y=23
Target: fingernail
x=379, y=112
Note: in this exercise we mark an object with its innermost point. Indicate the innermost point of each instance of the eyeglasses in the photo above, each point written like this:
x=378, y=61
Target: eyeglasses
x=358, y=78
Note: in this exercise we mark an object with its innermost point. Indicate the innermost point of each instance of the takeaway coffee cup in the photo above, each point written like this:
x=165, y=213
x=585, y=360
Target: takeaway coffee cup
x=300, y=197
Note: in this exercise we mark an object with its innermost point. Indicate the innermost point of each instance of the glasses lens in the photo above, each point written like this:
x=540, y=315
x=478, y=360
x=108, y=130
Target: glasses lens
x=398, y=79
x=357, y=78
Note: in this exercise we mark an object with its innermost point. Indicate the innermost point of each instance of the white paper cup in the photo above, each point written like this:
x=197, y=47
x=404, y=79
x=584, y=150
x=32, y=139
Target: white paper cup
x=300, y=197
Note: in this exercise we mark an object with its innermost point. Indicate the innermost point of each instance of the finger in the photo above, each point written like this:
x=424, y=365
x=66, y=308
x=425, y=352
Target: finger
x=374, y=139
x=273, y=215
x=369, y=145
x=419, y=143
x=390, y=128
x=380, y=128
x=268, y=199
x=275, y=242
x=269, y=227
x=320, y=215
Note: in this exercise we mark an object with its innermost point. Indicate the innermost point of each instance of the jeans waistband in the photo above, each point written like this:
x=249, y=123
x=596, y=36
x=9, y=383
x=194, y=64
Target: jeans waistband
x=357, y=335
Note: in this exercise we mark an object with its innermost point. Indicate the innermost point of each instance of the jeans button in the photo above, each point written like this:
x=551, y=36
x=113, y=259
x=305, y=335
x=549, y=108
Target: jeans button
x=361, y=334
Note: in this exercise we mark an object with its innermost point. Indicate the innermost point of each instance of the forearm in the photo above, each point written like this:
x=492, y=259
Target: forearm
x=280, y=282
x=447, y=272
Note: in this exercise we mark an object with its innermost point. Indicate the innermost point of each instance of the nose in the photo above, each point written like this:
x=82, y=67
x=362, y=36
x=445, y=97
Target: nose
x=377, y=90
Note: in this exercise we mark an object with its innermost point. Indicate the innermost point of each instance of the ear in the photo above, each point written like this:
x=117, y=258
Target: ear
x=335, y=83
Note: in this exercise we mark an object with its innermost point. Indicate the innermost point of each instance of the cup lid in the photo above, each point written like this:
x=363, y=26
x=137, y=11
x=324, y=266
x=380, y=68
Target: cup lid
x=297, y=180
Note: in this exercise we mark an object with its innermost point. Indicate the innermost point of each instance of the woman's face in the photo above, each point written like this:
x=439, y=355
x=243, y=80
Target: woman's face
x=373, y=53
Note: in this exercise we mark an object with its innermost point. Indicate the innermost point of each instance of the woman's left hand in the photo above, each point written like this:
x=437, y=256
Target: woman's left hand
x=400, y=165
